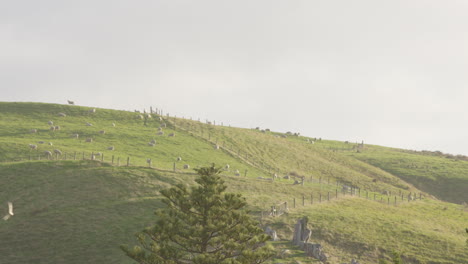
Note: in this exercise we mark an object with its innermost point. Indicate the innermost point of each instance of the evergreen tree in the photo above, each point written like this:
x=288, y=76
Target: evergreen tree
x=203, y=225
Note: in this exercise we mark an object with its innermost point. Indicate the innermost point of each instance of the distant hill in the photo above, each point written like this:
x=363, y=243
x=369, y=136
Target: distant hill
x=77, y=210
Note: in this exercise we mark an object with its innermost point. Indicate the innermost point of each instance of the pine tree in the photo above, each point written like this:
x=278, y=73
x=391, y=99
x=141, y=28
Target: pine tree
x=202, y=225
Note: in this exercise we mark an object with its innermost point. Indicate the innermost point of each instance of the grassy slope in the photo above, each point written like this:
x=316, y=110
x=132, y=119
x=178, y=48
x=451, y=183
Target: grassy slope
x=118, y=201
x=444, y=178
x=80, y=212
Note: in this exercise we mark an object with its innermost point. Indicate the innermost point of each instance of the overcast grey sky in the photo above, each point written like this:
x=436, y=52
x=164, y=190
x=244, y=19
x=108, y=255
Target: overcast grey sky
x=391, y=73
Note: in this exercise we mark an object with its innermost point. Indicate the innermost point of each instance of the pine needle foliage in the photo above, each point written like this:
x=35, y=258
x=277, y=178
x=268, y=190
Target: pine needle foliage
x=204, y=225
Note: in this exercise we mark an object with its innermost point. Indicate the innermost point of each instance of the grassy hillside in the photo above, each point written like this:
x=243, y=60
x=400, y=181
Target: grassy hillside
x=443, y=177
x=80, y=211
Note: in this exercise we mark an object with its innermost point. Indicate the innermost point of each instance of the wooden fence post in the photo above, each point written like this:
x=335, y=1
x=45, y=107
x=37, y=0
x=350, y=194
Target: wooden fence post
x=303, y=200
x=395, y=199
x=128, y=161
x=294, y=202
x=112, y=159
x=174, y=166
x=311, y=198
x=245, y=174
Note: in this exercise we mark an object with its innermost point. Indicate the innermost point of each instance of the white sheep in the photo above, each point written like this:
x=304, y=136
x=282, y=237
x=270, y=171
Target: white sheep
x=92, y=110
x=160, y=118
x=113, y=124
x=32, y=146
x=57, y=127
x=160, y=133
x=151, y=144
x=57, y=151
x=40, y=142
x=153, y=141
x=110, y=148
x=148, y=115
x=89, y=140
x=102, y=132
x=50, y=144
x=89, y=124
x=172, y=134
x=70, y=102
x=52, y=128
x=186, y=166
x=50, y=123
x=75, y=136
x=227, y=167
x=62, y=114
x=160, y=129
x=163, y=125
x=98, y=154
x=33, y=130
x=179, y=158
x=48, y=153
x=139, y=116
x=216, y=146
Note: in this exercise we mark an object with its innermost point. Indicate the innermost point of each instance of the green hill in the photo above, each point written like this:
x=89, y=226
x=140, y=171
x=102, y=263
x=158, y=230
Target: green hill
x=70, y=209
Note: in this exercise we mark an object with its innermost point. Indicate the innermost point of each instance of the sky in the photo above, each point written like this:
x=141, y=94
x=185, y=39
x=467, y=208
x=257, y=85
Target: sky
x=391, y=73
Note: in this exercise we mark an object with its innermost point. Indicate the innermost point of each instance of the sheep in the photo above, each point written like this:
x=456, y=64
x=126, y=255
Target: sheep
x=286, y=177
x=75, y=136
x=10, y=212
x=186, y=166
x=110, y=148
x=227, y=166
x=89, y=124
x=89, y=140
x=32, y=146
x=163, y=125
x=57, y=127
x=237, y=173
x=160, y=118
x=102, y=132
x=284, y=136
x=62, y=114
x=47, y=153
x=57, y=151
x=179, y=158
x=148, y=116
x=70, y=102
x=40, y=142
x=33, y=131
x=216, y=146
x=98, y=154
x=148, y=161
x=151, y=144
x=50, y=144
x=172, y=134
x=160, y=133
x=275, y=176
x=50, y=123
x=139, y=117
x=52, y=128
x=160, y=129
x=92, y=110
x=153, y=141
x=113, y=124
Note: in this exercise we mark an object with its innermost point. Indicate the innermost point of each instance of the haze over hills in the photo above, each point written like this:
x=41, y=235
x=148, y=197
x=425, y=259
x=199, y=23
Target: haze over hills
x=77, y=206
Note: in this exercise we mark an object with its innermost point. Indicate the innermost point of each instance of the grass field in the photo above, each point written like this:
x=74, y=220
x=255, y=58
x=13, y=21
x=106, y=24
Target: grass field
x=80, y=211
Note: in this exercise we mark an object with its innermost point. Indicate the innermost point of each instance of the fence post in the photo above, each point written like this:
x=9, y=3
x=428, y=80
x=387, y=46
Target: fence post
x=328, y=196
x=395, y=199
x=112, y=159
x=367, y=195
x=174, y=167
x=294, y=202
x=245, y=174
x=102, y=157
x=311, y=198
x=388, y=200
x=336, y=195
x=128, y=161
x=303, y=200
x=118, y=161
x=286, y=206
x=320, y=198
